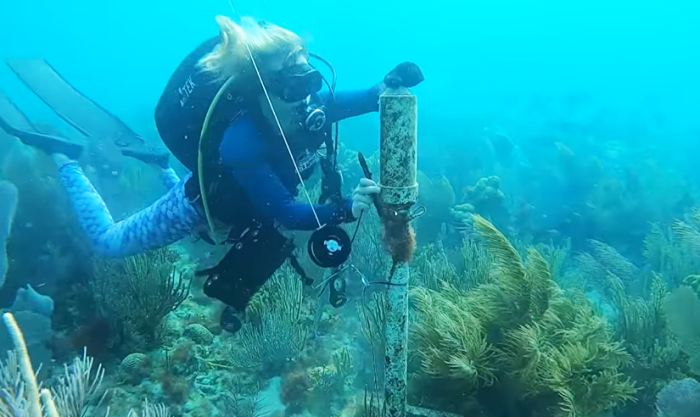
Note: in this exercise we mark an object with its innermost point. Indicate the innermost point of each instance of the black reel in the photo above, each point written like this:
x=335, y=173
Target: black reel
x=329, y=246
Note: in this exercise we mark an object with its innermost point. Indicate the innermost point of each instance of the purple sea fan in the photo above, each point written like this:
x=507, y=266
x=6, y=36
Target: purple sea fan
x=679, y=399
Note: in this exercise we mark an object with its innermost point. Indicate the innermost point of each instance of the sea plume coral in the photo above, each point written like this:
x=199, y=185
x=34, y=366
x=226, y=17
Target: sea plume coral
x=521, y=338
x=275, y=334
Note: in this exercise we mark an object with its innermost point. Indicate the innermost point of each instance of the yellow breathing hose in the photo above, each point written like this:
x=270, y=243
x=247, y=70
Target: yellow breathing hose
x=200, y=158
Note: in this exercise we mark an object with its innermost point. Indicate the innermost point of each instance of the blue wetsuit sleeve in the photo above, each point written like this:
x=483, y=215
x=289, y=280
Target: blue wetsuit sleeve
x=351, y=103
x=242, y=152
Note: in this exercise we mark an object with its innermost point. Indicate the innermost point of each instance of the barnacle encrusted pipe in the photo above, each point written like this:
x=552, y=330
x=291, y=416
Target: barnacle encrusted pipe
x=398, y=167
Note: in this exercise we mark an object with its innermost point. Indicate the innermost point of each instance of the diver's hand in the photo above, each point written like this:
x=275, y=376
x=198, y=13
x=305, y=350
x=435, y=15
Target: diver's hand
x=363, y=196
x=406, y=74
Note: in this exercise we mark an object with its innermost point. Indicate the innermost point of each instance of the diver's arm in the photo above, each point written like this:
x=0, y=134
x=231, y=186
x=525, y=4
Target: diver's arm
x=242, y=154
x=358, y=102
x=351, y=103
x=270, y=196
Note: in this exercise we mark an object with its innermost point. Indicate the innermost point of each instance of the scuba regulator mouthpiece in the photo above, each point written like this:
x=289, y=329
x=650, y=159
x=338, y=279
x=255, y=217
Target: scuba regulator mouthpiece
x=315, y=116
x=301, y=83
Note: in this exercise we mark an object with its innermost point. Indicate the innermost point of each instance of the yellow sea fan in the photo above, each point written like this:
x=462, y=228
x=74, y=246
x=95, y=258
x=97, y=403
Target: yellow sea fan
x=463, y=367
x=541, y=283
x=659, y=289
x=560, y=314
x=504, y=254
x=587, y=328
x=449, y=292
x=434, y=361
x=567, y=404
x=603, y=391
x=450, y=341
x=510, y=275
x=526, y=353
x=687, y=234
x=613, y=261
x=488, y=303
x=571, y=360
x=612, y=355
x=421, y=297
x=470, y=360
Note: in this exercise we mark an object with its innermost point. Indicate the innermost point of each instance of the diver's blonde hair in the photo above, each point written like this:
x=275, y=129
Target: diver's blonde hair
x=270, y=45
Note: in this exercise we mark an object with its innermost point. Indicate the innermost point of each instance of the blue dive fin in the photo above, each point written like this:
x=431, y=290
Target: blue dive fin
x=15, y=123
x=81, y=112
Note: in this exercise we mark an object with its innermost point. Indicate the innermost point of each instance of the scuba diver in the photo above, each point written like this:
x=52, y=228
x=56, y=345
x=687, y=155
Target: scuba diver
x=246, y=114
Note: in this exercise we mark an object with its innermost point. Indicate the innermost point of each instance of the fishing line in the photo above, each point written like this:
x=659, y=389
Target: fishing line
x=365, y=312
x=324, y=283
x=279, y=125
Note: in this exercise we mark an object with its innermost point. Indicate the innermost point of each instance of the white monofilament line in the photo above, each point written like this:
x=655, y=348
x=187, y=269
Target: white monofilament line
x=279, y=125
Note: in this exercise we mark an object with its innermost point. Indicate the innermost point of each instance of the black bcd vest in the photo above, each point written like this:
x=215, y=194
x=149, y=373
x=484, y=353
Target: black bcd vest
x=184, y=104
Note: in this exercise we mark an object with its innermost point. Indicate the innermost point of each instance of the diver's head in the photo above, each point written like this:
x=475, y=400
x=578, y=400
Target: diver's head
x=282, y=60
x=293, y=93
x=271, y=46
x=295, y=79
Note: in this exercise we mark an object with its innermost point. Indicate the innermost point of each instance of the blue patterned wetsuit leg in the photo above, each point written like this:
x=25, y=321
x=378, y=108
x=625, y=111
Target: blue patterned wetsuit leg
x=169, y=177
x=166, y=221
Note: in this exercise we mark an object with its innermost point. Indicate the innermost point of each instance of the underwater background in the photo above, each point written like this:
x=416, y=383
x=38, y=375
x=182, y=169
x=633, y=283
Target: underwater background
x=557, y=271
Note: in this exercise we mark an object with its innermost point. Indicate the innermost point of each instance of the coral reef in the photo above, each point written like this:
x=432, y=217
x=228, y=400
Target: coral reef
x=274, y=335
x=670, y=251
x=486, y=197
x=439, y=198
x=642, y=326
x=653, y=324
x=464, y=268
x=136, y=293
x=679, y=399
x=46, y=246
x=78, y=392
x=588, y=308
x=682, y=307
x=519, y=338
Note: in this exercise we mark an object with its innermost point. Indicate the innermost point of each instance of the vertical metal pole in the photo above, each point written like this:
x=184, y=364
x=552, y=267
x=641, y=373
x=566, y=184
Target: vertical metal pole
x=398, y=165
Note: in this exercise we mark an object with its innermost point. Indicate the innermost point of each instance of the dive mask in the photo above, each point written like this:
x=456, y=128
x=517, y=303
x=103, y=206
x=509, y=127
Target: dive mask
x=296, y=83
